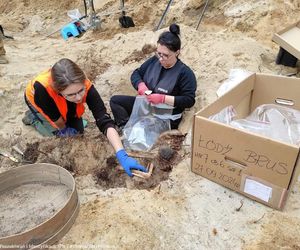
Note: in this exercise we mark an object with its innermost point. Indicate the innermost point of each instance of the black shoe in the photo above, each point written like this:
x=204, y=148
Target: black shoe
x=28, y=118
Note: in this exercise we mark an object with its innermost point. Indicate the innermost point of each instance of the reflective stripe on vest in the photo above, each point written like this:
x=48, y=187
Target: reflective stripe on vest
x=46, y=80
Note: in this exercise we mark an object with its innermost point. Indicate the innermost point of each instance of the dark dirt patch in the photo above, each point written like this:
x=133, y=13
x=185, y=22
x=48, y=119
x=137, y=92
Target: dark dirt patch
x=31, y=152
x=110, y=176
x=173, y=139
x=167, y=164
x=139, y=55
x=83, y=155
x=92, y=64
x=166, y=153
x=113, y=176
x=159, y=174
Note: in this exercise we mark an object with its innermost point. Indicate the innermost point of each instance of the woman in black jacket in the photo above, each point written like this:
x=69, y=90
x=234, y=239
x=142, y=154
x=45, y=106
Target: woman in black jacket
x=165, y=76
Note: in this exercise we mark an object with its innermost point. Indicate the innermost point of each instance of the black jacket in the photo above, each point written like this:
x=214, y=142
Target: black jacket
x=184, y=87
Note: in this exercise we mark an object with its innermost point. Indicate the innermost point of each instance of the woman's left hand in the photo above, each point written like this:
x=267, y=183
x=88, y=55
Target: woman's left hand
x=156, y=98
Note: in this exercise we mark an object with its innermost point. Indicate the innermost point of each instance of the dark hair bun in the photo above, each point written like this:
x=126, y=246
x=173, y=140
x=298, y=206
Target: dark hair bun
x=174, y=28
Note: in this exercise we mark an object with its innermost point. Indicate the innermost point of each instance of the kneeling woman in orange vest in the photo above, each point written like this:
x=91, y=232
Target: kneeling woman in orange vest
x=56, y=101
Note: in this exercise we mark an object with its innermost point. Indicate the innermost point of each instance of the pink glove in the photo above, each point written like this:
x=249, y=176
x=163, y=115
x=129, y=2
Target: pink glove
x=156, y=98
x=142, y=88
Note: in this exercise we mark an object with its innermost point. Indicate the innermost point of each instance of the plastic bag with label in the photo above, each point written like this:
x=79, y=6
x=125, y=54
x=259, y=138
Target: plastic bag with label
x=284, y=121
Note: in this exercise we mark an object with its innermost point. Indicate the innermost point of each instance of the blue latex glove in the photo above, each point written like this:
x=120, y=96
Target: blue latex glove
x=128, y=163
x=66, y=132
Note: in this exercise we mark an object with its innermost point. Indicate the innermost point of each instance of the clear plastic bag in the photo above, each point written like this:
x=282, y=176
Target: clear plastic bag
x=226, y=115
x=143, y=127
x=234, y=78
x=284, y=121
x=164, y=111
x=74, y=14
x=271, y=120
x=262, y=128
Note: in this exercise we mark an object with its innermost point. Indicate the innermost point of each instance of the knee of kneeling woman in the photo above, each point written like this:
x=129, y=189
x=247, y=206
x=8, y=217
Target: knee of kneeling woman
x=112, y=102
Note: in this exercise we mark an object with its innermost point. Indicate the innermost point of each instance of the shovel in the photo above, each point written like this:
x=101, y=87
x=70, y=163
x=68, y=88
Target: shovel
x=125, y=21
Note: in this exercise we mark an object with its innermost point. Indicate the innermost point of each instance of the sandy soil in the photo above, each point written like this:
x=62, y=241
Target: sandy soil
x=25, y=206
x=176, y=209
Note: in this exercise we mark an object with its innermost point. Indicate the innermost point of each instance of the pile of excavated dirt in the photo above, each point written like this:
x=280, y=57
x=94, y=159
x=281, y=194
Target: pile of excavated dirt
x=175, y=208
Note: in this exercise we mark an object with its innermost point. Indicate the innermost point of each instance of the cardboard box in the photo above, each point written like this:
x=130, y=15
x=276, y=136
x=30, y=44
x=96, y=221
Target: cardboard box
x=258, y=167
x=289, y=39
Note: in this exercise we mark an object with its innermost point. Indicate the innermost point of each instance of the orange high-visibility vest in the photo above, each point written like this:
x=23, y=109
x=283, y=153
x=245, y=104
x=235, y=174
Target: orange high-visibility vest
x=46, y=80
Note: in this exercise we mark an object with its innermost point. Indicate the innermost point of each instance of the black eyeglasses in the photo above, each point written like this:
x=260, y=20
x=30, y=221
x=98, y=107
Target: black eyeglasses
x=73, y=95
x=162, y=55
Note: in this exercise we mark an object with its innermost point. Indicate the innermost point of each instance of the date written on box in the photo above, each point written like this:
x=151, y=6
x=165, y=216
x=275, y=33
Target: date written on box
x=259, y=167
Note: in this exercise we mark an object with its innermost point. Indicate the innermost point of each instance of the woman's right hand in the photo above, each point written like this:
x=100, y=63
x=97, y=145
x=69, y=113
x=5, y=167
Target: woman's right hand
x=129, y=163
x=66, y=132
x=142, y=88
